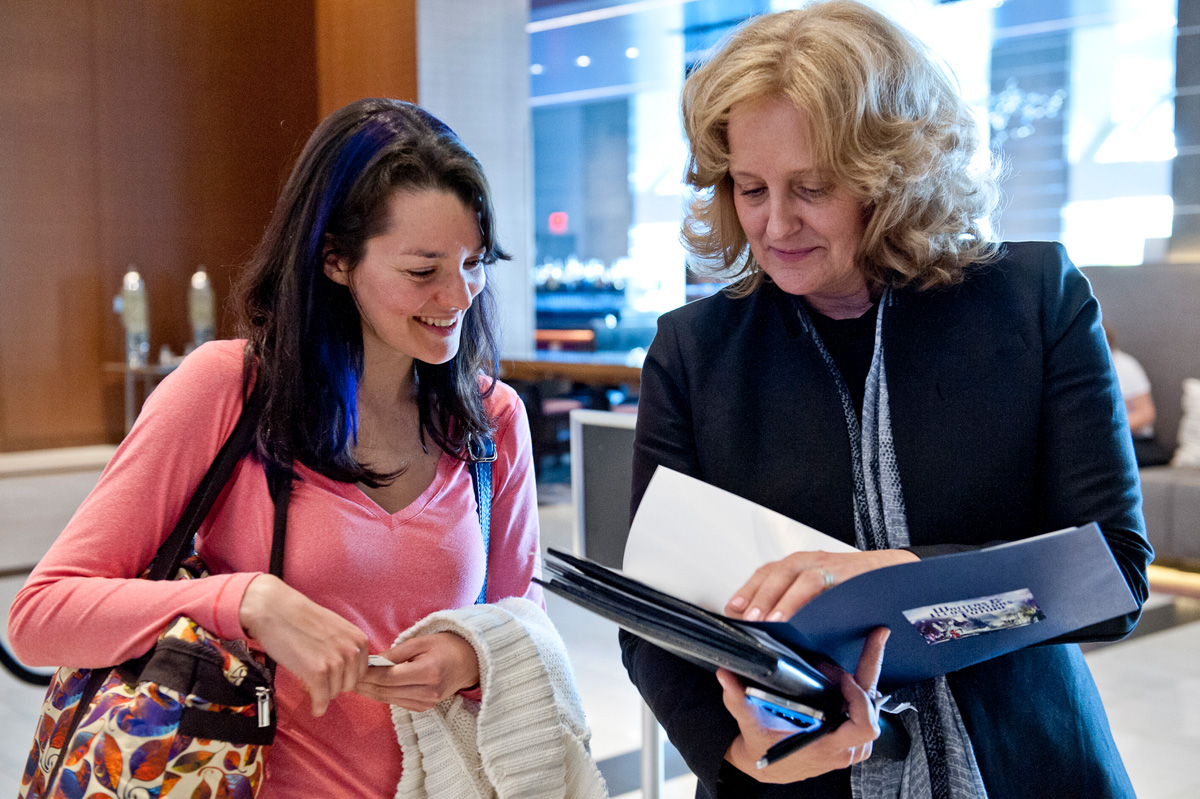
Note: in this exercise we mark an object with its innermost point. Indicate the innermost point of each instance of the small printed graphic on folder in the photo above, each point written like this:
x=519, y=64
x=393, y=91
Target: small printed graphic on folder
x=963, y=618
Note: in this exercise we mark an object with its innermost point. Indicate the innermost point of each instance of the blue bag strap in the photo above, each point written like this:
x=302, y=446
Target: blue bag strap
x=482, y=450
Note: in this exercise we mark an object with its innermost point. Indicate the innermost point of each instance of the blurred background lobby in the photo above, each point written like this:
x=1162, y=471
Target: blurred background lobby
x=156, y=136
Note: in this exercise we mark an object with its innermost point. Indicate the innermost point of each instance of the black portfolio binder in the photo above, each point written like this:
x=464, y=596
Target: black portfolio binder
x=944, y=613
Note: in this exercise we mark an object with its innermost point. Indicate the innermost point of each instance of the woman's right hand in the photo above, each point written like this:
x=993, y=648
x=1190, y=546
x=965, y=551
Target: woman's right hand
x=327, y=653
x=850, y=743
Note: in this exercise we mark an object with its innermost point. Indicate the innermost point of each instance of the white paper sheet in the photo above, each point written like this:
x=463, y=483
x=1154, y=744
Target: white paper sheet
x=702, y=543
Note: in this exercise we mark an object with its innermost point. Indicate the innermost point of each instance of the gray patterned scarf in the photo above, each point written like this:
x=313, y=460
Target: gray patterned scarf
x=941, y=763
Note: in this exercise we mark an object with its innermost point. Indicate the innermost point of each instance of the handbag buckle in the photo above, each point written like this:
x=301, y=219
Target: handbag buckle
x=264, y=705
x=482, y=449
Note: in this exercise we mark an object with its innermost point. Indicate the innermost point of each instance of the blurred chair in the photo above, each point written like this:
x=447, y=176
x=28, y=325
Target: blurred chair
x=549, y=409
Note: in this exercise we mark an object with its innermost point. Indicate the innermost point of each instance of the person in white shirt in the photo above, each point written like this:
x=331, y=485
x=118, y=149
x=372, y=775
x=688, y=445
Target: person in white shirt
x=1139, y=405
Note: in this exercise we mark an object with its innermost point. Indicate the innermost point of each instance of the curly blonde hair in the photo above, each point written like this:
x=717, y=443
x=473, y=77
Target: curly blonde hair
x=888, y=125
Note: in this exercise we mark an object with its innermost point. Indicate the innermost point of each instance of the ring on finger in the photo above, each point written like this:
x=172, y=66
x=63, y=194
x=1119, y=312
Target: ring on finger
x=826, y=577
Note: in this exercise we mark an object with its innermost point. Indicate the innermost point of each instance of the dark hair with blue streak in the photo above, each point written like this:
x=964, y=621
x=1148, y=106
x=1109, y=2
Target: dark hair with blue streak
x=304, y=330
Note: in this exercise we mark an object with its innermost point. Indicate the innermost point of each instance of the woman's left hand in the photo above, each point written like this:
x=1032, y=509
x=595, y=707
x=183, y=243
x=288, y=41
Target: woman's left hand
x=778, y=589
x=852, y=742
x=429, y=668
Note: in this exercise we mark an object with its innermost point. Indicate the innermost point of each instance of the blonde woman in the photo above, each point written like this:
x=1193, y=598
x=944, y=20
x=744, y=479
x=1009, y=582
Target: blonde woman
x=882, y=371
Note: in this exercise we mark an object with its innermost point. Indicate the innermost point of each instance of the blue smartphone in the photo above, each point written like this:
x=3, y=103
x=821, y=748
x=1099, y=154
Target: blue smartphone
x=805, y=717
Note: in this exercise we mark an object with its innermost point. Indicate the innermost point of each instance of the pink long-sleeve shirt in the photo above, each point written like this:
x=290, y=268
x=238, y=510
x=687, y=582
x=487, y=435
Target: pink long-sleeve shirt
x=84, y=606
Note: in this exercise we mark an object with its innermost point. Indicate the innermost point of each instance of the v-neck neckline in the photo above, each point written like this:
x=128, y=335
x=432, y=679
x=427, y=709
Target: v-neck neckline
x=355, y=494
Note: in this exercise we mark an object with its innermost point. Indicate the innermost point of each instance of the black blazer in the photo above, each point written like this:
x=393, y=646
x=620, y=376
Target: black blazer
x=1008, y=423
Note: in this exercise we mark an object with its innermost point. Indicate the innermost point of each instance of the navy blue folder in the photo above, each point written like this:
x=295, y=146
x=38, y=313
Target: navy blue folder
x=1071, y=577
x=945, y=612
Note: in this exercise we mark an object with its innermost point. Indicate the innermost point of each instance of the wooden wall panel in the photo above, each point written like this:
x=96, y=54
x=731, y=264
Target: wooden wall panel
x=50, y=289
x=367, y=48
x=199, y=118
x=135, y=132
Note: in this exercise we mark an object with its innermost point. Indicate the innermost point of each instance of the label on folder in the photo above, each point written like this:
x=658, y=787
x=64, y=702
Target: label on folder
x=950, y=621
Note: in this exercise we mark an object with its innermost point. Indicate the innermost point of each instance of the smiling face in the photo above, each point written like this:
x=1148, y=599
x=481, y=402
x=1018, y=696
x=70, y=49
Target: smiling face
x=803, y=231
x=416, y=280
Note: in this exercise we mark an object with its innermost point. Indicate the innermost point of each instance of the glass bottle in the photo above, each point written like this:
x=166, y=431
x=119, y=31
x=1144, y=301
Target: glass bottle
x=135, y=317
x=200, y=308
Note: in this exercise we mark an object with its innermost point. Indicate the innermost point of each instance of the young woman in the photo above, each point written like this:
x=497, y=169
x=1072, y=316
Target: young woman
x=368, y=323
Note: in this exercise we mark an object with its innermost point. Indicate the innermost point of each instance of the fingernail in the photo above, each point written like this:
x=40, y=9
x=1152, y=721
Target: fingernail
x=776, y=616
x=753, y=614
x=738, y=602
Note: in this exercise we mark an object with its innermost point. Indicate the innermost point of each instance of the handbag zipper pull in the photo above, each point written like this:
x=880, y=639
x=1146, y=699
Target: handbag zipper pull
x=264, y=706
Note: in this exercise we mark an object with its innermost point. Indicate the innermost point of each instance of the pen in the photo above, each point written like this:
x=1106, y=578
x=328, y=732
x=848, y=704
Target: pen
x=891, y=744
x=794, y=743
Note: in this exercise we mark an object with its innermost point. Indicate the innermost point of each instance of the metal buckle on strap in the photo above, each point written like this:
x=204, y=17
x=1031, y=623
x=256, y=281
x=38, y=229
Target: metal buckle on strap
x=481, y=449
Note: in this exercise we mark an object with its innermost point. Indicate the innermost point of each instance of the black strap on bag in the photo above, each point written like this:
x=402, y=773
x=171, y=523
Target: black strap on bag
x=178, y=545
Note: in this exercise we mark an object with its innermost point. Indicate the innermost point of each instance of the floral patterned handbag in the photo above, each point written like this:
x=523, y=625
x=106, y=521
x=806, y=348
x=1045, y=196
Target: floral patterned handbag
x=191, y=718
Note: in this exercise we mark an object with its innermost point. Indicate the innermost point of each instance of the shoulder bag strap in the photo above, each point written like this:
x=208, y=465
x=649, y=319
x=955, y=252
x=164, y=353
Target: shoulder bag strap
x=482, y=450
x=179, y=544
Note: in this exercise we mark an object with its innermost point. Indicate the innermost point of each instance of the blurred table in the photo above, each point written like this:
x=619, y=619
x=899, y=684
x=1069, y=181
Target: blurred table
x=146, y=377
x=598, y=369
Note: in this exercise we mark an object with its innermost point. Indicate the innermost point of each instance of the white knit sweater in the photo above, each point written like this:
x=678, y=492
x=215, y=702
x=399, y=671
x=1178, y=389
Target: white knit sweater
x=527, y=739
